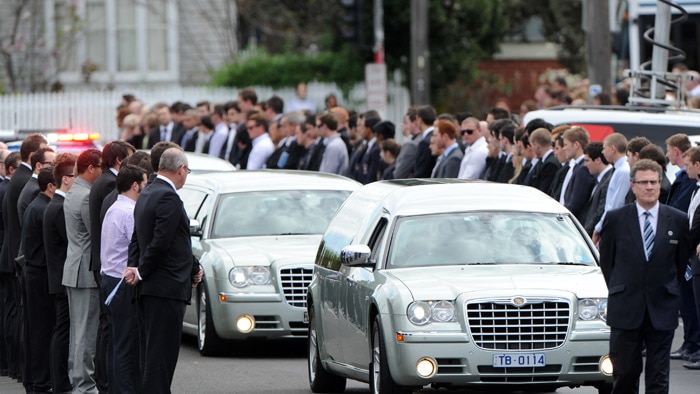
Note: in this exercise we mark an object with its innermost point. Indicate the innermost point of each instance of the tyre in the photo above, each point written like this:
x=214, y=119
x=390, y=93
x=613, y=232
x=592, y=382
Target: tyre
x=380, y=381
x=208, y=341
x=320, y=380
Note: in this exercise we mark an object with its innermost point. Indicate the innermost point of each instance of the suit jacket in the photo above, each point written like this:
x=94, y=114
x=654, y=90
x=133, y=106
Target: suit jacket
x=406, y=159
x=636, y=286
x=3, y=188
x=493, y=167
x=33, y=232
x=507, y=171
x=681, y=190
x=370, y=164
x=175, y=136
x=596, y=204
x=296, y=152
x=449, y=166
x=545, y=171
x=694, y=241
x=315, y=157
x=55, y=243
x=191, y=144
x=558, y=182
x=161, y=246
x=522, y=177
x=425, y=161
x=76, y=209
x=355, y=165
x=29, y=192
x=102, y=186
x=10, y=217
x=579, y=190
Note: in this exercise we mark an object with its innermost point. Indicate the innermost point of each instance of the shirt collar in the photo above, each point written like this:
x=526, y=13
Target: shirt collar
x=654, y=211
x=161, y=177
x=620, y=162
x=60, y=193
x=602, y=173
x=114, y=171
x=450, y=149
x=123, y=198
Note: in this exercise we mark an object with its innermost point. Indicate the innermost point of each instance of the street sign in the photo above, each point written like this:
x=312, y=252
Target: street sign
x=375, y=86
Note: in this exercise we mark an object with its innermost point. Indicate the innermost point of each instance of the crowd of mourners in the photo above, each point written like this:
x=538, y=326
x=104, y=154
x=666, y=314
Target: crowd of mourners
x=67, y=220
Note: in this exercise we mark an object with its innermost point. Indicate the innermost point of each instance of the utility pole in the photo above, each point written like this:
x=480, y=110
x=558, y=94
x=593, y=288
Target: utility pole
x=420, y=56
x=596, y=14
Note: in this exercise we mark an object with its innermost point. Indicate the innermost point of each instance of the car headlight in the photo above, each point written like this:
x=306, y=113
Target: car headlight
x=252, y=275
x=424, y=312
x=593, y=308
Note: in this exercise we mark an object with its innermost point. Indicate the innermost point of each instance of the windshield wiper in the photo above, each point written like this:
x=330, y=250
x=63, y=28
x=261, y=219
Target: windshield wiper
x=565, y=263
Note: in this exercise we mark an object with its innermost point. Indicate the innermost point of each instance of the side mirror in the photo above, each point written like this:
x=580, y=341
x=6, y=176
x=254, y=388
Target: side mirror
x=355, y=255
x=195, y=228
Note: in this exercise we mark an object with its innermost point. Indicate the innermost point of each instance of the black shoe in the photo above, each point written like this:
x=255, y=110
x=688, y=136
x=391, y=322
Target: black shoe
x=679, y=354
x=693, y=357
x=695, y=365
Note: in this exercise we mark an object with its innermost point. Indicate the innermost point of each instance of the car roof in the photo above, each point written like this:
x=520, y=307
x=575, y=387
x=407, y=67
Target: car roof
x=408, y=197
x=616, y=114
x=257, y=180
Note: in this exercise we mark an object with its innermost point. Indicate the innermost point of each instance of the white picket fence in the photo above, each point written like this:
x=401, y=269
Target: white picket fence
x=96, y=110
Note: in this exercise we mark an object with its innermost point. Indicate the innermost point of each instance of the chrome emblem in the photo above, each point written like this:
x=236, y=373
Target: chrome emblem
x=518, y=301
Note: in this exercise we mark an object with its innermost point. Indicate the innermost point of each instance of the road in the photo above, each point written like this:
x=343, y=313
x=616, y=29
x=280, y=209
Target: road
x=280, y=368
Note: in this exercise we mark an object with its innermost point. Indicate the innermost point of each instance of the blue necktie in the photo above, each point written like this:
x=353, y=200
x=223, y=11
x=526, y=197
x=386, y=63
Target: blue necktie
x=648, y=235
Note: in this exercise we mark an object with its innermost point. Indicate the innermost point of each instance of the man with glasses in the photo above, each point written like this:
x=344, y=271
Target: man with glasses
x=474, y=162
x=263, y=147
x=644, y=249
x=40, y=158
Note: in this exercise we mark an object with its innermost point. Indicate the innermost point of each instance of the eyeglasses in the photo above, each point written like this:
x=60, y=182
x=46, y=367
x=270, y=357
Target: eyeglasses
x=47, y=163
x=70, y=175
x=468, y=131
x=187, y=169
x=251, y=126
x=652, y=182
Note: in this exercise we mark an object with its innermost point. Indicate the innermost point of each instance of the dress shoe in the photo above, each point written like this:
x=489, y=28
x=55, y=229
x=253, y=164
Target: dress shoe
x=693, y=357
x=695, y=365
x=679, y=354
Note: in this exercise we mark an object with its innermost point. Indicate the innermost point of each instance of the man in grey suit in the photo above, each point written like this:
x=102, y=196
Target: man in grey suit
x=407, y=156
x=599, y=167
x=448, y=163
x=83, y=294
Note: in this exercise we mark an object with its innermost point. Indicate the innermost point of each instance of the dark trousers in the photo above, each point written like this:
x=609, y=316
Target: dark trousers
x=39, y=318
x=9, y=320
x=5, y=356
x=626, y=356
x=59, y=346
x=162, y=328
x=25, y=359
x=123, y=358
x=691, y=325
x=103, y=347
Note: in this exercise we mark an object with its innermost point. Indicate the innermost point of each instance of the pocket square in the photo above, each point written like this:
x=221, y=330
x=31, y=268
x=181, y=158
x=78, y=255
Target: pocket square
x=673, y=241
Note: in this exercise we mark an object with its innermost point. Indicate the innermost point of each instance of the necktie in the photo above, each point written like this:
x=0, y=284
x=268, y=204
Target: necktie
x=163, y=133
x=648, y=235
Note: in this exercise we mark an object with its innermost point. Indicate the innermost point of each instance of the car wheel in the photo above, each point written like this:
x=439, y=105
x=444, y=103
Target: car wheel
x=380, y=381
x=208, y=341
x=320, y=380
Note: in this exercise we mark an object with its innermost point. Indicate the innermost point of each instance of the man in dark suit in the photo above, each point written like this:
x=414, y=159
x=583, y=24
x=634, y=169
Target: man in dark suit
x=448, y=165
x=679, y=198
x=547, y=165
x=558, y=182
x=425, y=161
x=162, y=264
x=581, y=184
x=190, y=121
x=38, y=305
x=599, y=167
x=691, y=157
x=9, y=286
x=372, y=165
x=114, y=153
x=644, y=249
x=42, y=157
x=55, y=246
x=167, y=129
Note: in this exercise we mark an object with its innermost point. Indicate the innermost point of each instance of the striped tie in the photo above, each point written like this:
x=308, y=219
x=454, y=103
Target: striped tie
x=648, y=235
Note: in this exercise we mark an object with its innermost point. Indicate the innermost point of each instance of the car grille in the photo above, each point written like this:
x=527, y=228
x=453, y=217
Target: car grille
x=537, y=325
x=295, y=281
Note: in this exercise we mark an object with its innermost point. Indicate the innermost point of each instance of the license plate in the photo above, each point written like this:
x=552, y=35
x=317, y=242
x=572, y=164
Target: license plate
x=306, y=317
x=503, y=360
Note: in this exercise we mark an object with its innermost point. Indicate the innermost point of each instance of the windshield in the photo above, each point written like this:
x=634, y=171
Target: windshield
x=487, y=238
x=277, y=212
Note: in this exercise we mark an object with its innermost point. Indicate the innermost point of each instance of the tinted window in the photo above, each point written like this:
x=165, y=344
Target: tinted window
x=275, y=212
x=192, y=200
x=487, y=238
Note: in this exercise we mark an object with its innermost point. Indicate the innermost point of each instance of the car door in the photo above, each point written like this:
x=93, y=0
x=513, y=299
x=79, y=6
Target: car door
x=358, y=285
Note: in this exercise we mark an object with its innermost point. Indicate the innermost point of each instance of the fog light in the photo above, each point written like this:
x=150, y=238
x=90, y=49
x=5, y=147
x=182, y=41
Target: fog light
x=426, y=367
x=606, y=366
x=245, y=323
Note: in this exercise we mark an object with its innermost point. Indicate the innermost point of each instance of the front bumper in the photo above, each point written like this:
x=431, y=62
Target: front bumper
x=461, y=363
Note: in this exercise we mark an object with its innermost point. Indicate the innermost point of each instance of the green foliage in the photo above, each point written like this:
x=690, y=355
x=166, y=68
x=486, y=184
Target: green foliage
x=286, y=70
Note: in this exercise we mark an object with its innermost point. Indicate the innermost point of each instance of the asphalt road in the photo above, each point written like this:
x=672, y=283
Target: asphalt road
x=280, y=368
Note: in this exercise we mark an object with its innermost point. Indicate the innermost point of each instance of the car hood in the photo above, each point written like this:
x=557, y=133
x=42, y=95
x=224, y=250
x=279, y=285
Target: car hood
x=269, y=250
x=448, y=282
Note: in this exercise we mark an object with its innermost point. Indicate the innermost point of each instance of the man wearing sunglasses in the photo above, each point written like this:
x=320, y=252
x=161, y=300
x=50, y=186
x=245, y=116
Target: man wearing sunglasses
x=474, y=161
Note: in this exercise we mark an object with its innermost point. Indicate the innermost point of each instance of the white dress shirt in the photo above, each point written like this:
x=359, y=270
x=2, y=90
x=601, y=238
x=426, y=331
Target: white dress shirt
x=474, y=162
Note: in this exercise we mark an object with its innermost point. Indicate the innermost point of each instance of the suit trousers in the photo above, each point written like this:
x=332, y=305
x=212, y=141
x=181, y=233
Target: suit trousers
x=626, y=356
x=59, y=346
x=8, y=312
x=103, y=348
x=123, y=358
x=691, y=325
x=162, y=329
x=39, y=322
x=84, y=319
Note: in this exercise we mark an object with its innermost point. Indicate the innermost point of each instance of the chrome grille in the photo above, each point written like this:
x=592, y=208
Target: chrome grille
x=294, y=282
x=500, y=325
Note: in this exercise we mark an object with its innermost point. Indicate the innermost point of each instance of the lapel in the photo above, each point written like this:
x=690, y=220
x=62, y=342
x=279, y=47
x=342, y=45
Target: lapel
x=636, y=231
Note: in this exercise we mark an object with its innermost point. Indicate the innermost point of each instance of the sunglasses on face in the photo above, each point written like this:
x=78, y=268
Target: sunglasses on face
x=468, y=131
